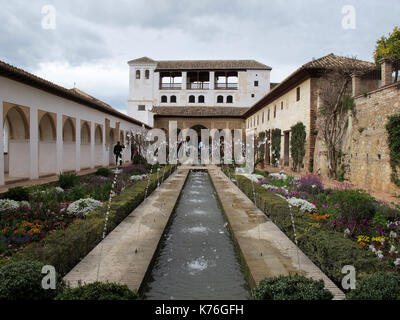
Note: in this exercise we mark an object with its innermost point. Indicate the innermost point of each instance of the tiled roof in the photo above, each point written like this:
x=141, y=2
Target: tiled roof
x=332, y=61
x=143, y=60
x=22, y=76
x=328, y=62
x=200, y=111
x=204, y=64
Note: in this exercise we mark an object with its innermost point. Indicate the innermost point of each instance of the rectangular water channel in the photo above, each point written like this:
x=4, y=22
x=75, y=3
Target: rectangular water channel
x=197, y=258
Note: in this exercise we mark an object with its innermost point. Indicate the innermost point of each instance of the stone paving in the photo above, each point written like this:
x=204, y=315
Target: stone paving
x=268, y=252
x=125, y=255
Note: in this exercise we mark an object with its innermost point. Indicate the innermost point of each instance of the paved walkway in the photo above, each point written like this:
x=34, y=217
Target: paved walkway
x=267, y=250
x=26, y=182
x=125, y=255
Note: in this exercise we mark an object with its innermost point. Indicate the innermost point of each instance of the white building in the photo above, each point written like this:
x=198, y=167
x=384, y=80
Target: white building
x=48, y=129
x=225, y=83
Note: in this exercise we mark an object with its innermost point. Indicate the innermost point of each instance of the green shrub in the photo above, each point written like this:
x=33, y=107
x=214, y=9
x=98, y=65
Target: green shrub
x=22, y=280
x=298, y=145
x=76, y=193
x=99, y=291
x=354, y=205
x=291, y=288
x=44, y=201
x=68, y=180
x=17, y=194
x=380, y=286
x=104, y=172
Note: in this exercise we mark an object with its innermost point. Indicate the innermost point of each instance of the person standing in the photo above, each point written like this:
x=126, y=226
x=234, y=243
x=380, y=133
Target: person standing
x=118, y=152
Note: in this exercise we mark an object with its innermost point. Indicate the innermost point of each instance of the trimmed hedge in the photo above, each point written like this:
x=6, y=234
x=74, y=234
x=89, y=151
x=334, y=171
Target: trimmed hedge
x=63, y=249
x=379, y=286
x=22, y=280
x=295, y=287
x=99, y=291
x=328, y=249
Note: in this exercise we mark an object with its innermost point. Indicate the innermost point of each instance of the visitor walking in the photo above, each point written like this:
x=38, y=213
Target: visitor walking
x=118, y=152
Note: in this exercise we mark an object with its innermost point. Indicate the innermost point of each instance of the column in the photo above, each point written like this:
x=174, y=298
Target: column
x=212, y=80
x=34, y=143
x=92, y=140
x=59, y=142
x=78, y=145
x=184, y=80
x=386, y=70
x=2, y=179
x=105, y=155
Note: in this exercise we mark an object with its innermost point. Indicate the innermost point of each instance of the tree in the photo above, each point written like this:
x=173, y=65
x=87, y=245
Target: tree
x=298, y=145
x=335, y=104
x=389, y=47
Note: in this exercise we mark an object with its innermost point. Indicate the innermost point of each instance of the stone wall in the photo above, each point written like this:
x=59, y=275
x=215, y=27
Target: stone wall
x=366, y=156
x=367, y=152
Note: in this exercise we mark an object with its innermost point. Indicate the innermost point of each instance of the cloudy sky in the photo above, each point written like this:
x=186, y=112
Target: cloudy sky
x=93, y=39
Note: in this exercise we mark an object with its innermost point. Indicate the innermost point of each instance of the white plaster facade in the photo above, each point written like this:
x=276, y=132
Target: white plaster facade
x=147, y=90
x=48, y=134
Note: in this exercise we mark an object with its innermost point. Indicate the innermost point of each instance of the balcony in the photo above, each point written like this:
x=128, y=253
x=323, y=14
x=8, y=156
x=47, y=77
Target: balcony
x=170, y=86
x=226, y=86
x=198, y=86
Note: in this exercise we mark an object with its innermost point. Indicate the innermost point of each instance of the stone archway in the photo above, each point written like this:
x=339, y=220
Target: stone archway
x=17, y=158
x=85, y=145
x=69, y=144
x=98, y=145
x=47, y=143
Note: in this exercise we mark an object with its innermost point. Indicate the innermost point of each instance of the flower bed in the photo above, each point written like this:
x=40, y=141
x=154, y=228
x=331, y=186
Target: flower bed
x=329, y=234
x=54, y=212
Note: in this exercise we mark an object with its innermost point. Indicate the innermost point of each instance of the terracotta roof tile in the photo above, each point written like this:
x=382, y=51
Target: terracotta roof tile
x=200, y=111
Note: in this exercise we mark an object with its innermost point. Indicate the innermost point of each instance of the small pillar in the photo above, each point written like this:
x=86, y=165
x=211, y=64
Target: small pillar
x=386, y=71
x=356, y=83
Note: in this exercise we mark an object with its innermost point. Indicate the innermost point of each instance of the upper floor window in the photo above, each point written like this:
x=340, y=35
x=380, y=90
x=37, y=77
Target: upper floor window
x=262, y=117
x=268, y=114
x=220, y=99
x=229, y=99
x=281, y=105
x=173, y=99
x=256, y=83
x=164, y=99
x=192, y=99
x=275, y=111
x=137, y=74
x=201, y=99
x=298, y=94
x=147, y=74
x=142, y=108
x=258, y=119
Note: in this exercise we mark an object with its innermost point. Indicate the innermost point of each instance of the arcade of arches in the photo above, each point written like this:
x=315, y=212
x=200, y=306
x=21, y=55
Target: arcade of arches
x=53, y=136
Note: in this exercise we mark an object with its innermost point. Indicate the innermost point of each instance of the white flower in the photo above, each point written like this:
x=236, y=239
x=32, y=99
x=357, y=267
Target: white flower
x=279, y=176
x=393, y=235
x=379, y=254
x=372, y=248
x=252, y=177
x=59, y=190
x=7, y=204
x=138, y=177
x=24, y=204
x=397, y=262
x=347, y=232
x=392, y=249
x=83, y=206
x=303, y=205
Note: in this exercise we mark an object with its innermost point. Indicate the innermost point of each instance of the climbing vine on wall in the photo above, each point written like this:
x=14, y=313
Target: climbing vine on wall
x=276, y=146
x=261, y=147
x=298, y=145
x=393, y=130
